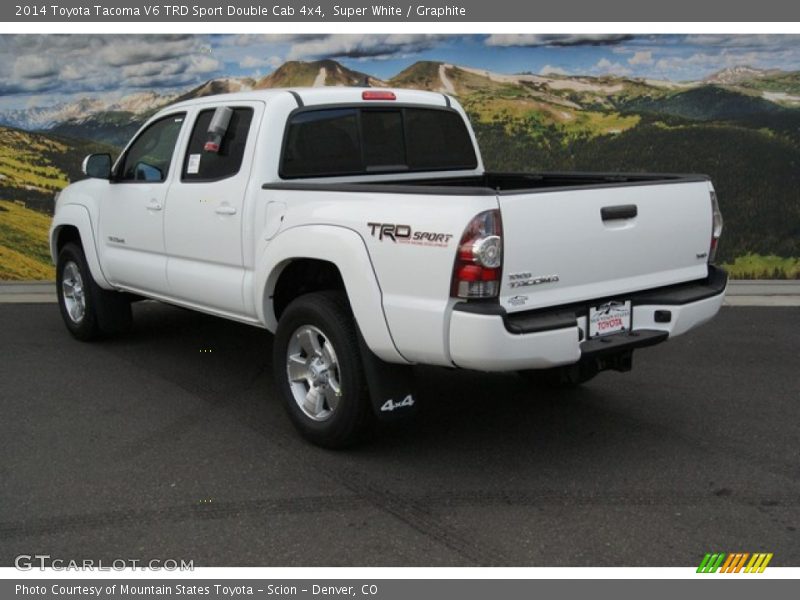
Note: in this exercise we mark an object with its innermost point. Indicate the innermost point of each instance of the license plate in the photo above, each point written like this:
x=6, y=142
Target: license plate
x=608, y=318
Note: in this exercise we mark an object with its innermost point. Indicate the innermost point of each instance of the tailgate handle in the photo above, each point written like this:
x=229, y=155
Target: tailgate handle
x=623, y=211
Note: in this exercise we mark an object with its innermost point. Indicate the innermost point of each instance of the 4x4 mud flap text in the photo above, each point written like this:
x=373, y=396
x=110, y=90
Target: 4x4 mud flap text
x=391, y=387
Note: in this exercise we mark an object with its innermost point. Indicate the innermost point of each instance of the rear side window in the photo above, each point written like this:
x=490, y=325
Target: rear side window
x=351, y=141
x=435, y=138
x=199, y=165
x=322, y=142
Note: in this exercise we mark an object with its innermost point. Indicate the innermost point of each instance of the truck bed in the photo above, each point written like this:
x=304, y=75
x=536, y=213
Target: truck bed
x=572, y=237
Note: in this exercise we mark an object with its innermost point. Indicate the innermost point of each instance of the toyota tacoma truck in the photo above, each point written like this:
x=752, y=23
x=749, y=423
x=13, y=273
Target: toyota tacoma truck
x=359, y=226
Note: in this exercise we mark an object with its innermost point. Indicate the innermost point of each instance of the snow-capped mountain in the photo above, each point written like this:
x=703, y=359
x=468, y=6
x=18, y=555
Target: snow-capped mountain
x=38, y=118
x=739, y=74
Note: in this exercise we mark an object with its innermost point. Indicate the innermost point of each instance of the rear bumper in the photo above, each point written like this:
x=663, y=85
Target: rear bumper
x=485, y=338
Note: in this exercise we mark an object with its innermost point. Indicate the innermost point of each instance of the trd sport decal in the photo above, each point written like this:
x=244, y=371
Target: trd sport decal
x=403, y=234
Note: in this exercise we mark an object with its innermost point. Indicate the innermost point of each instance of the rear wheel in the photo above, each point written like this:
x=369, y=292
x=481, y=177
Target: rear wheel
x=88, y=310
x=318, y=370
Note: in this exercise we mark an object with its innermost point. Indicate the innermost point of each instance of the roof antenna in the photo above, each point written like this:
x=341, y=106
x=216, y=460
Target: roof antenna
x=365, y=82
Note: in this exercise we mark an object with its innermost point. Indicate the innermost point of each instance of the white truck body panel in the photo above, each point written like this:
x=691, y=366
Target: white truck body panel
x=131, y=235
x=346, y=249
x=221, y=246
x=203, y=229
x=562, y=234
x=78, y=213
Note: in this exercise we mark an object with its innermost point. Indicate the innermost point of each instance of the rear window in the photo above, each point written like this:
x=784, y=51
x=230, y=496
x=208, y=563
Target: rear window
x=351, y=141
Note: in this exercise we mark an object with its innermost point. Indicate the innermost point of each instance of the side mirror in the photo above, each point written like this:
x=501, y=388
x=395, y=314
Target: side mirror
x=97, y=166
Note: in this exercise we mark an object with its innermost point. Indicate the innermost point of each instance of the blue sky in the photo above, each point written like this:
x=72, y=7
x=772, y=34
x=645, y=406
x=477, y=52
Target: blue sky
x=41, y=70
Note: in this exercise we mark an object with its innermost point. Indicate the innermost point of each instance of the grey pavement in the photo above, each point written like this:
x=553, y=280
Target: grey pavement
x=169, y=442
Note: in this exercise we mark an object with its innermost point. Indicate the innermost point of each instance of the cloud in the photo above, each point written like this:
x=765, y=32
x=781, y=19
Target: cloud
x=261, y=39
x=363, y=46
x=254, y=62
x=96, y=63
x=551, y=70
x=743, y=41
x=203, y=64
x=643, y=57
x=127, y=50
x=71, y=73
x=34, y=67
x=607, y=67
x=533, y=40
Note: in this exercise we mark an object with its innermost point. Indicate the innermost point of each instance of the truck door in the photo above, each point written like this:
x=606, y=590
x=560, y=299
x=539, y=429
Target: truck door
x=132, y=216
x=203, y=225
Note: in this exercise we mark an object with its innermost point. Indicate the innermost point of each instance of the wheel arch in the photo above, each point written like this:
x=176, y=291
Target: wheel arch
x=72, y=223
x=299, y=276
x=316, y=257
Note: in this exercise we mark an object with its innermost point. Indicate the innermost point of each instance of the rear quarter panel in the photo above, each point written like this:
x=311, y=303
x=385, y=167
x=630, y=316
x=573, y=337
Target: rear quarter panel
x=413, y=270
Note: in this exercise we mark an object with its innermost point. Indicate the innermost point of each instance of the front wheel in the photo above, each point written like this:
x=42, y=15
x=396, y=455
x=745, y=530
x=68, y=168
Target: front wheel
x=318, y=370
x=88, y=310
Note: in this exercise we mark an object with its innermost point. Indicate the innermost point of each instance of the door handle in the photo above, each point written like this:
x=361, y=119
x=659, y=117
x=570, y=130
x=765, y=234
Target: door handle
x=225, y=210
x=623, y=211
x=154, y=205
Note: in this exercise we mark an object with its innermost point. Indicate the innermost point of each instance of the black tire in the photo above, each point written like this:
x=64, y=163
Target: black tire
x=568, y=377
x=103, y=313
x=350, y=418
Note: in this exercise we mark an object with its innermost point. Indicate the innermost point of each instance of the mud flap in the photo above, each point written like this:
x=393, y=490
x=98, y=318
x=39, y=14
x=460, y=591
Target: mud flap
x=113, y=310
x=391, y=386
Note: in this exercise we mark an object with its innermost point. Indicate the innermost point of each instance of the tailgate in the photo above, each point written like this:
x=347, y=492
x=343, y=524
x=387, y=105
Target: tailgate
x=579, y=244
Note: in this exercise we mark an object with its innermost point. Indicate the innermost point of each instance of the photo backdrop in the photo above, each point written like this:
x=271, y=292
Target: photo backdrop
x=724, y=105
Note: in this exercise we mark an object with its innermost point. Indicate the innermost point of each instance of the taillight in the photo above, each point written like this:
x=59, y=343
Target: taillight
x=479, y=259
x=716, y=228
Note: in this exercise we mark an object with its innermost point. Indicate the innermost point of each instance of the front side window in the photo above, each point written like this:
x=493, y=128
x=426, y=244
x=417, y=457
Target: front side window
x=149, y=157
x=200, y=165
x=351, y=141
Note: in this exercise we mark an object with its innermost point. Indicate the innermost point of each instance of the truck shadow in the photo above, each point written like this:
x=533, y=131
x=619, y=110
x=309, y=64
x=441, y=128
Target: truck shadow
x=462, y=413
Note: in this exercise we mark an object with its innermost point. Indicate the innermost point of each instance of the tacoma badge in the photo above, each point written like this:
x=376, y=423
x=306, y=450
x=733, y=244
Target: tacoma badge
x=517, y=280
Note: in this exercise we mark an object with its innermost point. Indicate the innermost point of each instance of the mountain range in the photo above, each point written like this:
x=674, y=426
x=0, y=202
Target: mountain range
x=776, y=87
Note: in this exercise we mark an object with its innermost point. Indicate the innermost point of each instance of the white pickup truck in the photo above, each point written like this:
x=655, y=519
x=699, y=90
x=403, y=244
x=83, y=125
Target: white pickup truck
x=360, y=227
